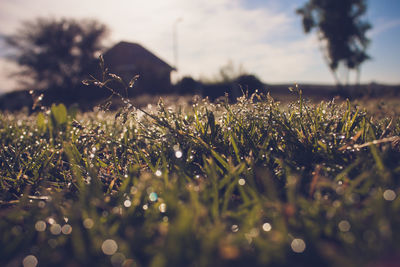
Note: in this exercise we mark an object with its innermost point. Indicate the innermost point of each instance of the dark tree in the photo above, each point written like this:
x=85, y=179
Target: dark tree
x=341, y=31
x=56, y=54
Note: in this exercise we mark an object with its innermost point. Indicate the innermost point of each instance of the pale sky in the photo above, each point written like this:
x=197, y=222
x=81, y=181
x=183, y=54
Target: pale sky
x=264, y=36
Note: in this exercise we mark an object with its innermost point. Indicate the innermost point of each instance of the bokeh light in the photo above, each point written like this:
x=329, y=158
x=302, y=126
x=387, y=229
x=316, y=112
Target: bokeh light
x=40, y=226
x=30, y=261
x=55, y=229
x=298, y=245
x=88, y=223
x=344, y=226
x=118, y=259
x=109, y=247
x=66, y=229
x=389, y=195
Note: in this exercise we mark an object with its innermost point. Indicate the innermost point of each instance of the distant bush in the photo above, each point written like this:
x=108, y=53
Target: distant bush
x=250, y=83
x=188, y=85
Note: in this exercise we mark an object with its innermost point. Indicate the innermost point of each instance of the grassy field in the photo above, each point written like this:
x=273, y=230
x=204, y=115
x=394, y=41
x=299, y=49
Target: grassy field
x=256, y=183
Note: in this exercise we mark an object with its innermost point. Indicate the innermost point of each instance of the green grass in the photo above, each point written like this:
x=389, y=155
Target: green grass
x=254, y=183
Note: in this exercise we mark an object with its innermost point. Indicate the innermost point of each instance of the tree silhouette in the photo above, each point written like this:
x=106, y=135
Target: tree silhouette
x=56, y=54
x=341, y=31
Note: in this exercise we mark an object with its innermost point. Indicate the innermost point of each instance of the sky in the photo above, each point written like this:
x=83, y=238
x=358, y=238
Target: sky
x=264, y=37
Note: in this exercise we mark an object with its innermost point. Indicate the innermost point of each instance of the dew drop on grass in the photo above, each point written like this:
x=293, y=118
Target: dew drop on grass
x=153, y=196
x=242, y=181
x=178, y=154
x=162, y=207
x=30, y=261
x=235, y=228
x=267, y=227
x=109, y=247
x=127, y=203
x=298, y=245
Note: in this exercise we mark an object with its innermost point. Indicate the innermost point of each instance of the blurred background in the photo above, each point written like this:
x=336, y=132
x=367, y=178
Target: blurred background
x=204, y=47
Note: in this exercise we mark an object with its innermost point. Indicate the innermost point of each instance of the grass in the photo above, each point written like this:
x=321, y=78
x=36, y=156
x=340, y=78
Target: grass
x=255, y=183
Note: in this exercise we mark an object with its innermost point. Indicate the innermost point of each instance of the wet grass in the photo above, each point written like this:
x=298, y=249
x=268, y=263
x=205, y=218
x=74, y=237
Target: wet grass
x=255, y=183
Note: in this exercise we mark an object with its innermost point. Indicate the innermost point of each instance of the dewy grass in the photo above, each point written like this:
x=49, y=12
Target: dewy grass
x=252, y=183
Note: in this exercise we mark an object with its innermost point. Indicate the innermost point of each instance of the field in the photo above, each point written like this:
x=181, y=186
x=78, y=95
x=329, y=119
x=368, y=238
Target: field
x=255, y=183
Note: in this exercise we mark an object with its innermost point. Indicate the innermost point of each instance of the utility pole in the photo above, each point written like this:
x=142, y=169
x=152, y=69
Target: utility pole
x=175, y=41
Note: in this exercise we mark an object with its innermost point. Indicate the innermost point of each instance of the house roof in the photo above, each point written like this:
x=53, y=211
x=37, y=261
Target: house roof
x=125, y=53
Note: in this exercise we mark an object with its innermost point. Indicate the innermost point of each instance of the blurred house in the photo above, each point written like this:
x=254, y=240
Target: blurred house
x=129, y=59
